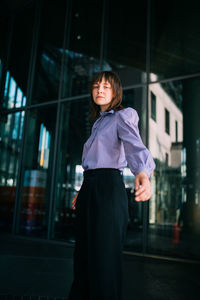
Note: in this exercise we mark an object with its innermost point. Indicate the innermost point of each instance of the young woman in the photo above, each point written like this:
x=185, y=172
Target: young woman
x=102, y=203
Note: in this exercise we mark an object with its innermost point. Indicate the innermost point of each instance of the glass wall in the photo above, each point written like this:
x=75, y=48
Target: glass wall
x=37, y=171
x=174, y=39
x=125, y=40
x=16, y=64
x=50, y=37
x=74, y=131
x=11, y=128
x=49, y=53
x=82, y=46
x=174, y=215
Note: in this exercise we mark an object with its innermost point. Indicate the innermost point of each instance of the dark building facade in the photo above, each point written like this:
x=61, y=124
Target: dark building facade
x=49, y=52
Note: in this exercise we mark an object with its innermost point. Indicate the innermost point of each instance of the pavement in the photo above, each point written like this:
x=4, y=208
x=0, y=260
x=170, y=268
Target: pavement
x=39, y=269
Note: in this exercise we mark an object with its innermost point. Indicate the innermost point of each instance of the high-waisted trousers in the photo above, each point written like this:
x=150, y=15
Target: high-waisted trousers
x=100, y=228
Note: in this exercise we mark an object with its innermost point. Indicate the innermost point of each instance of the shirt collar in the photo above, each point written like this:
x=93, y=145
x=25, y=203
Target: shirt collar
x=103, y=113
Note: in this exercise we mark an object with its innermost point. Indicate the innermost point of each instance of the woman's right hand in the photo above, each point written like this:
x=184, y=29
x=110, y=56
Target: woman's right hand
x=74, y=202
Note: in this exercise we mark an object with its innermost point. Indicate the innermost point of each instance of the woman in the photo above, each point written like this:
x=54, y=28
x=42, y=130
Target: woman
x=102, y=204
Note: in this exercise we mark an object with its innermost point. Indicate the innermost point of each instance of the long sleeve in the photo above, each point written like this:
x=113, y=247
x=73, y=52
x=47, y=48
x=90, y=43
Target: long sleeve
x=138, y=157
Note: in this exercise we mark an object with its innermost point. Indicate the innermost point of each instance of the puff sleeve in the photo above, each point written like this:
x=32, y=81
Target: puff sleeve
x=138, y=157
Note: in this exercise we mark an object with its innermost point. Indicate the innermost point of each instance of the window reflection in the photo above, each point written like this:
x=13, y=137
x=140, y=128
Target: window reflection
x=174, y=36
x=175, y=203
x=167, y=151
x=37, y=171
x=75, y=129
x=47, y=74
x=82, y=52
x=44, y=147
x=13, y=95
x=78, y=177
x=125, y=41
x=10, y=144
x=49, y=51
x=134, y=229
x=78, y=73
x=153, y=106
x=17, y=58
x=134, y=98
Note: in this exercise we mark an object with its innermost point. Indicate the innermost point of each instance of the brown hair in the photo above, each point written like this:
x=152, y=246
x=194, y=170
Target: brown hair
x=116, y=86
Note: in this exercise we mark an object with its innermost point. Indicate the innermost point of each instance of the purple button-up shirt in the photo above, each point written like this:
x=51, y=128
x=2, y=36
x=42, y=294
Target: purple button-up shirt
x=115, y=142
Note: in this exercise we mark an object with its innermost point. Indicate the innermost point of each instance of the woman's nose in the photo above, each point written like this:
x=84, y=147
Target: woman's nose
x=100, y=89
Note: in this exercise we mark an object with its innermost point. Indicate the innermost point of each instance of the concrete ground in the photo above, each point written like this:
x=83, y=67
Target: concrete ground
x=38, y=269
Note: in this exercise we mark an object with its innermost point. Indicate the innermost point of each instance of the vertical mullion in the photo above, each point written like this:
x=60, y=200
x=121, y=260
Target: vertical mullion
x=52, y=202
x=146, y=203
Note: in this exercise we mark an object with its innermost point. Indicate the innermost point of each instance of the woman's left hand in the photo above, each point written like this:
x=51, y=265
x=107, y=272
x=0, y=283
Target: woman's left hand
x=143, y=189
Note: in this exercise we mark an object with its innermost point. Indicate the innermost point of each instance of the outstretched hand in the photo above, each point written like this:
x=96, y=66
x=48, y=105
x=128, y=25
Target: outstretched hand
x=143, y=189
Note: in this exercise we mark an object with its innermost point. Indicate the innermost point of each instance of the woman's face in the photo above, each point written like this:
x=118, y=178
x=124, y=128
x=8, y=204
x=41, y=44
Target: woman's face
x=102, y=94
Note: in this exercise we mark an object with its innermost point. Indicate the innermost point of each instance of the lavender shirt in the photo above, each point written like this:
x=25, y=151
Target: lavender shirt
x=115, y=142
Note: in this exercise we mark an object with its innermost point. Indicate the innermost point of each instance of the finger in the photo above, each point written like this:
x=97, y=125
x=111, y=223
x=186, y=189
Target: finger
x=146, y=195
x=140, y=196
x=140, y=190
x=137, y=183
x=145, y=187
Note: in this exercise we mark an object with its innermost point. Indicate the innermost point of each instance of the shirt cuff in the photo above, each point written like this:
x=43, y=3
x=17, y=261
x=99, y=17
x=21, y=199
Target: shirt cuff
x=145, y=170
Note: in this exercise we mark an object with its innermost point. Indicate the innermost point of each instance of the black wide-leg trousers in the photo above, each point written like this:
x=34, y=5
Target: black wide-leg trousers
x=100, y=226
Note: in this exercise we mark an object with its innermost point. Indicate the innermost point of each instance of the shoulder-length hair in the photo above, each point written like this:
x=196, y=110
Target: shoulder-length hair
x=116, y=86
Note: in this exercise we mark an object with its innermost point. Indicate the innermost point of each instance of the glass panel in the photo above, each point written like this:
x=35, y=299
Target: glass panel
x=125, y=41
x=75, y=130
x=11, y=127
x=37, y=165
x=175, y=44
x=4, y=36
x=135, y=98
x=174, y=213
x=16, y=75
x=83, y=46
x=49, y=52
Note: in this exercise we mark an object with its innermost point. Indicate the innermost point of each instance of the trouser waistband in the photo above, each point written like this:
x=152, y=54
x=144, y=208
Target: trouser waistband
x=101, y=171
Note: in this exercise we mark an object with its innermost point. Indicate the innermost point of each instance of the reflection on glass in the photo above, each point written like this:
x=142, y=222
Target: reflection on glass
x=82, y=51
x=78, y=177
x=37, y=171
x=75, y=130
x=13, y=95
x=174, y=40
x=10, y=144
x=78, y=72
x=44, y=146
x=174, y=209
x=134, y=230
x=4, y=36
x=49, y=52
x=134, y=98
x=125, y=41
x=14, y=83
